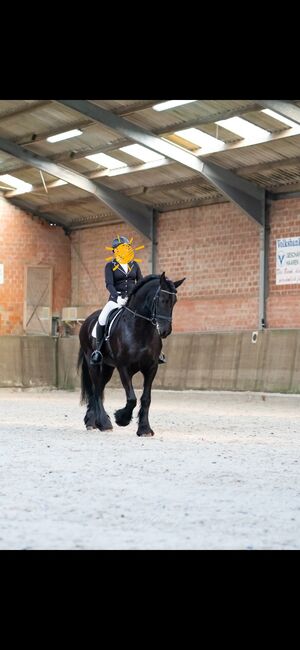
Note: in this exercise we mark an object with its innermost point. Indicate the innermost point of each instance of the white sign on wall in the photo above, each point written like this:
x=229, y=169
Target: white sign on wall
x=1, y=273
x=288, y=261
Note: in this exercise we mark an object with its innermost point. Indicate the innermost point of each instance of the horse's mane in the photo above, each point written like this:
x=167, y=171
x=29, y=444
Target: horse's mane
x=141, y=283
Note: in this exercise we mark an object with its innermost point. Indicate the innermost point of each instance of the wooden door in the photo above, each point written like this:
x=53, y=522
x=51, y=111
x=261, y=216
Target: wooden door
x=38, y=300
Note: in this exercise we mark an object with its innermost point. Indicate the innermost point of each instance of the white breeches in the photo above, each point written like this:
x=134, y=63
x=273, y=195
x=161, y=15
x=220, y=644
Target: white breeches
x=110, y=305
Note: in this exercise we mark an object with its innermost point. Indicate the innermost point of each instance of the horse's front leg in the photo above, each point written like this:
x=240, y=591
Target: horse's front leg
x=144, y=428
x=124, y=416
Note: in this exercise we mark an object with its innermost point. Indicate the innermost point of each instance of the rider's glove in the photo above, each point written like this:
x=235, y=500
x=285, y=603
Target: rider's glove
x=121, y=301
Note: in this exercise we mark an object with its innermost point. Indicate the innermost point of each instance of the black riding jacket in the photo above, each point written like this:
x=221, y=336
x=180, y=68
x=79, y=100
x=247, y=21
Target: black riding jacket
x=120, y=283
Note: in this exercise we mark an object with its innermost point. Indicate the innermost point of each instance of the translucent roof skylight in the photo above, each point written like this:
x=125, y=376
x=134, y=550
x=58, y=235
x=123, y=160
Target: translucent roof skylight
x=200, y=138
x=243, y=128
x=15, y=183
x=172, y=104
x=280, y=118
x=64, y=136
x=142, y=153
x=106, y=161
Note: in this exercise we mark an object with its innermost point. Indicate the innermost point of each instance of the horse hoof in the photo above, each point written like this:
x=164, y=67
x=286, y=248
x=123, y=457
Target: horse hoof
x=122, y=419
x=107, y=426
x=148, y=433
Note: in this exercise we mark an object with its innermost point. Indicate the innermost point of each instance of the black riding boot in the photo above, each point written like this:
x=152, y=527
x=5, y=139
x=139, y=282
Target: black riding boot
x=96, y=356
x=162, y=358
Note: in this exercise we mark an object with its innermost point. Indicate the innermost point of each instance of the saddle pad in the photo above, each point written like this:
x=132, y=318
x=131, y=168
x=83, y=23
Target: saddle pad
x=110, y=319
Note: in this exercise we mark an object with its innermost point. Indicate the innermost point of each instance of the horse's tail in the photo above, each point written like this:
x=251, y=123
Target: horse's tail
x=86, y=383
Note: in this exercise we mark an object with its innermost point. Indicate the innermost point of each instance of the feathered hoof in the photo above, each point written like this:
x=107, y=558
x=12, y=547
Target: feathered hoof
x=122, y=418
x=105, y=426
x=145, y=432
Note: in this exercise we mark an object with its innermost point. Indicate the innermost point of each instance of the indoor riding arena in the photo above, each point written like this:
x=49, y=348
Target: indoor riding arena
x=207, y=193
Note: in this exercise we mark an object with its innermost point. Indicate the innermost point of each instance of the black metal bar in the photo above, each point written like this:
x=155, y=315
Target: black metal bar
x=136, y=214
x=249, y=197
x=29, y=207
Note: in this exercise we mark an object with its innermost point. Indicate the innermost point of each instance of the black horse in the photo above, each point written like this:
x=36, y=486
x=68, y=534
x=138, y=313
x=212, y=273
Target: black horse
x=134, y=345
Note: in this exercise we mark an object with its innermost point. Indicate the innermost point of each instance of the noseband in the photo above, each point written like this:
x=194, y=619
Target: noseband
x=154, y=315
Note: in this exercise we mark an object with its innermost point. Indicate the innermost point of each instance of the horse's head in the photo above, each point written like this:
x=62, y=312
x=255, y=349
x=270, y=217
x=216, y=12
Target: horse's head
x=165, y=300
x=153, y=298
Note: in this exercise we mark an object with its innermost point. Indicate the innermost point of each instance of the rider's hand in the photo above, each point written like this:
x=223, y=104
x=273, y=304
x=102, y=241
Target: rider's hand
x=121, y=301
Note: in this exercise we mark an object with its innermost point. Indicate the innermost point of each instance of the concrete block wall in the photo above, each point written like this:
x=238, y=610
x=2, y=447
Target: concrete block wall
x=28, y=361
x=200, y=361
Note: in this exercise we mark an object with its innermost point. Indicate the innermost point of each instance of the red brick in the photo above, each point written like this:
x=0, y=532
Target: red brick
x=25, y=241
x=215, y=247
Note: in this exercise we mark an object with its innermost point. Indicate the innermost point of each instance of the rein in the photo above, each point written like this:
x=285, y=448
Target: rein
x=154, y=315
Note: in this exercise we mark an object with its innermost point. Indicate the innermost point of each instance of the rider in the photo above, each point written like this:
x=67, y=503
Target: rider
x=119, y=279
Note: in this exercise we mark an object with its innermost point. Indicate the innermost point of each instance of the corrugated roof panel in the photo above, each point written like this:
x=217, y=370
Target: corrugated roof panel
x=177, y=193
x=287, y=147
x=46, y=117
x=275, y=177
x=151, y=177
x=115, y=104
x=55, y=195
x=150, y=118
x=244, y=156
x=264, y=152
x=218, y=132
x=167, y=185
x=265, y=121
x=8, y=106
x=7, y=161
x=92, y=137
x=33, y=176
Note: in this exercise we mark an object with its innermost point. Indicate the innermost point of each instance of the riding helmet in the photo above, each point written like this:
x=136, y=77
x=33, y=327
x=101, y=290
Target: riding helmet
x=118, y=241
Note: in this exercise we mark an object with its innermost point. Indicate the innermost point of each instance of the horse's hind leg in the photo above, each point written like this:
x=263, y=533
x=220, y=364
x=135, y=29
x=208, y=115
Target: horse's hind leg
x=144, y=428
x=106, y=375
x=87, y=394
x=90, y=416
x=124, y=416
x=100, y=375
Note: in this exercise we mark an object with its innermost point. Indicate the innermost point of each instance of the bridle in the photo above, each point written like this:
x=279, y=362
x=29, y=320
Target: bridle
x=154, y=314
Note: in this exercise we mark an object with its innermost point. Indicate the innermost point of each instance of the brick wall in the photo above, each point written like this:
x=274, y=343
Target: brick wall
x=217, y=248
x=283, y=301
x=27, y=241
x=88, y=261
